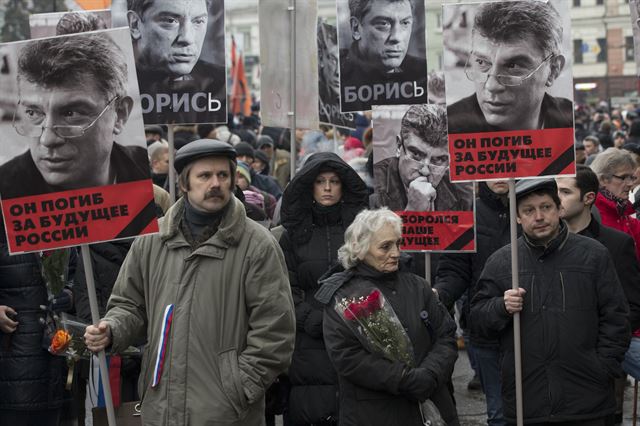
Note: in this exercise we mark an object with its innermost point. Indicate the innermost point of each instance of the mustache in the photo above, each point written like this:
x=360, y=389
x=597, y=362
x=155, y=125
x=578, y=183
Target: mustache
x=213, y=193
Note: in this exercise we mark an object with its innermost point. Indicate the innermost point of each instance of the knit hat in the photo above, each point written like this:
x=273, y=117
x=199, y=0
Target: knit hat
x=243, y=169
x=265, y=140
x=244, y=148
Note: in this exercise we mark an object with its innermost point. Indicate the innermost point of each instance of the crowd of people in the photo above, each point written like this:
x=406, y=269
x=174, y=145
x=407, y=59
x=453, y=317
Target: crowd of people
x=249, y=302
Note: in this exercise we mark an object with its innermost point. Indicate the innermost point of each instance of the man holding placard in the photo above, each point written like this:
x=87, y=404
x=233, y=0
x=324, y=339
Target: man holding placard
x=211, y=295
x=573, y=315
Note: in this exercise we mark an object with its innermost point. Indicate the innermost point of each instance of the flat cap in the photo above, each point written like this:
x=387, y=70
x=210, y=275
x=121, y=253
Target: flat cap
x=202, y=148
x=527, y=186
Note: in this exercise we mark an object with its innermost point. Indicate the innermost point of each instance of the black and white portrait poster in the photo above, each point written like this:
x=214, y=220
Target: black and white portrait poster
x=60, y=23
x=509, y=89
x=179, y=46
x=275, y=63
x=74, y=167
x=329, y=78
x=411, y=174
x=635, y=24
x=383, y=59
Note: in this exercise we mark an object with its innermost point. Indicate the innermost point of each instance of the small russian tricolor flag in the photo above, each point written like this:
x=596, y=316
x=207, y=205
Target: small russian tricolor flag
x=162, y=345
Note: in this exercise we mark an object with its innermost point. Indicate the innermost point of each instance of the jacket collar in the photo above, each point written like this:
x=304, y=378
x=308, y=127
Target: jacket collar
x=229, y=232
x=556, y=243
x=592, y=230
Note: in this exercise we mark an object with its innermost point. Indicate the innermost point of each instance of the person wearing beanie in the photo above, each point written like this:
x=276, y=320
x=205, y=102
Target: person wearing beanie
x=261, y=163
x=243, y=171
x=573, y=316
x=267, y=201
x=210, y=295
x=279, y=159
x=246, y=153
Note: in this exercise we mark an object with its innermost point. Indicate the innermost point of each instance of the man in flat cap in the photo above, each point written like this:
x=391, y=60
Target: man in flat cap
x=211, y=297
x=573, y=316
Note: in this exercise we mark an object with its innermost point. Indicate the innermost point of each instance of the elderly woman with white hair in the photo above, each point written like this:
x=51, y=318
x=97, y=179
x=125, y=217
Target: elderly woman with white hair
x=392, y=343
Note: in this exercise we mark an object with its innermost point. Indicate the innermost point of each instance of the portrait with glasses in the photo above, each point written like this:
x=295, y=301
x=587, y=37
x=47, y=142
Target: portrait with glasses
x=70, y=124
x=411, y=161
x=514, y=75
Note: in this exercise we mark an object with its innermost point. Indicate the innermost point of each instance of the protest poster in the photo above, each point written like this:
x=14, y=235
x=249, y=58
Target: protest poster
x=635, y=24
x=509, y=89
x=383, y=55
x=329, y=78
x=411, y=174
x=60, y=23
x=74, y=167
x=180, y=62
x=275, y=63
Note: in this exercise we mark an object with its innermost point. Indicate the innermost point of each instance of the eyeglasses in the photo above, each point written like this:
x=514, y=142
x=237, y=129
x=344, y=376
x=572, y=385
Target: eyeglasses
x=421, y=157
x=479, y=73
x=626, y=178
x=31, y=127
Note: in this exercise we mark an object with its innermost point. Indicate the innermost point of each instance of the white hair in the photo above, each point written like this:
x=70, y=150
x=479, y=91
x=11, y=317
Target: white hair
x=606, y=163
x=357, y=238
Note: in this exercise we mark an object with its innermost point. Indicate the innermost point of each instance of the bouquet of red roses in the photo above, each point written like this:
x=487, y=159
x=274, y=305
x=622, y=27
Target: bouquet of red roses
x=373, y=319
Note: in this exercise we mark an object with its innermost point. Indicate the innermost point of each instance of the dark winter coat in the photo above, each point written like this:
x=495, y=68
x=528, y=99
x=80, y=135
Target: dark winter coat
x=374, y=390
x=458, y=273
x=310, y=244
x=623, y=254
x=30, y=378
x=106, y=259
x=573, y=324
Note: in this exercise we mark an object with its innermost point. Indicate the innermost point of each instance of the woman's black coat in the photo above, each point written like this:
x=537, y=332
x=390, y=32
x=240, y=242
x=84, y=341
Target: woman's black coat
x=310, y=244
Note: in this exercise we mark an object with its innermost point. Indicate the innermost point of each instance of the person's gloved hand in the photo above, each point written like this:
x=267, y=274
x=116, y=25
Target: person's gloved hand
x=63, y=302
x=417, y=383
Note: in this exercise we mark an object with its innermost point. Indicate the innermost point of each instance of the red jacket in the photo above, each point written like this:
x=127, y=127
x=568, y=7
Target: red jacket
x=625, y=223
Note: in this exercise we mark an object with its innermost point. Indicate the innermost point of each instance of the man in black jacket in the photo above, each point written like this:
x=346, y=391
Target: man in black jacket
x=458, y=274
x=573, y=315
x=577, y=196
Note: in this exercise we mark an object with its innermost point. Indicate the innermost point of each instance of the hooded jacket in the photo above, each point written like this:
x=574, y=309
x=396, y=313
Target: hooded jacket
x=573, y=324
x=232, y=328
x=310, y=244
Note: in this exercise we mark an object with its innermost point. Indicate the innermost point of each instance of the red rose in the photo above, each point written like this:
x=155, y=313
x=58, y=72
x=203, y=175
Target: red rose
x=374, y=302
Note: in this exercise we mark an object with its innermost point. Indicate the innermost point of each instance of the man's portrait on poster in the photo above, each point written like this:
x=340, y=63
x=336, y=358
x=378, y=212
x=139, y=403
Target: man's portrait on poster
x=514, y=59
x=72, y=103
x=177, y=83
x=329, y=78
x=417, y=178
x=382, y=53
